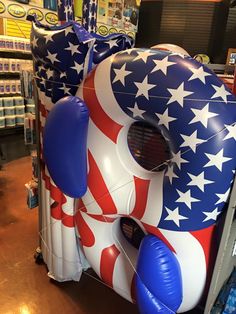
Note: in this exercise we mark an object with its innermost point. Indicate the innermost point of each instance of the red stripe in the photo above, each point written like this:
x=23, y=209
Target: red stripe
x=108, y=259
x=99, y=189
x=157, y=232
x=205, y=237
x=109, y=127
x=141, y=192
x=86, y=234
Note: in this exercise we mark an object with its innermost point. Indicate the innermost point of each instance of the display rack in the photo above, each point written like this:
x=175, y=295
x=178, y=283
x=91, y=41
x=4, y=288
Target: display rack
x=226, y=257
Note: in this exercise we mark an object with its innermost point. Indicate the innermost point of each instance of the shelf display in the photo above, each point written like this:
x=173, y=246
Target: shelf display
x=15, y=44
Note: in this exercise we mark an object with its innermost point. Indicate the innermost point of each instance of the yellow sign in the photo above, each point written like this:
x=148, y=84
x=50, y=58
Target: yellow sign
x=16, y=10
x=51, y=18
x=103, y=30
x=37, y=12
x=2, y=7
x=112, y=30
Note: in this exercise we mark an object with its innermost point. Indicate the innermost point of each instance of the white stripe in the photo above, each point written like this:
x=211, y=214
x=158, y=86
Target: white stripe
x=91, y=204
x=118, y=180
x=191, y=258
x=103, y=238
x=104, y=92
x=153, y=211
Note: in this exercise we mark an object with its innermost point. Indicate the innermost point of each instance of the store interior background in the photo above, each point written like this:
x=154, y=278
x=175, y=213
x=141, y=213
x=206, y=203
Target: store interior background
x=207, y=27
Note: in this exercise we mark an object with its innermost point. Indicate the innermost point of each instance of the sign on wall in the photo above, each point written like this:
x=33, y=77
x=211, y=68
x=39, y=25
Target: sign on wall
x=119, y=14
x=16, y=10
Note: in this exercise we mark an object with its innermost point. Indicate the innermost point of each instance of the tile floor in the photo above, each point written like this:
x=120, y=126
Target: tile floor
x=24, y=285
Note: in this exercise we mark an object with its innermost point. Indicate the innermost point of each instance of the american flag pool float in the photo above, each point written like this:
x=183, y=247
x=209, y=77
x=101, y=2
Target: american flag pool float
x=61, y=60
x=179, y=204
x=196, y=114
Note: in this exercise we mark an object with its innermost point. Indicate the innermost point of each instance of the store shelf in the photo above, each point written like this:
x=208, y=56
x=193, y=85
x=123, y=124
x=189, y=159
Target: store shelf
x=16, y=54
x=11, y=130
x=225, y=261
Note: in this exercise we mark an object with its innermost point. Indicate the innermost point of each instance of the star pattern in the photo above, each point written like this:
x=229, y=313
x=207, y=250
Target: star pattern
x=165, y=119
x=174, y=94
x=178, y=94
x=144, y=87
x=162, y=65
x=170, y=173
x=211, y=215
x=173, y=215
x=217, y=160
x=232, y=132
x=199, y=181
x=73, y=49
x=178, y=160
x=121, y=75
x=220, y=92
x=143, y=55
x=222, y=198
x=199, y=74
x=191, y=141
x=137, y=113
x=202, y=115
x=186, y=198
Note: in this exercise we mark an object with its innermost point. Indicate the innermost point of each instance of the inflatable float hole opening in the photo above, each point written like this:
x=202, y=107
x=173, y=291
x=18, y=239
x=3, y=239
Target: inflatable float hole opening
x=132, y=232
x=148, y=146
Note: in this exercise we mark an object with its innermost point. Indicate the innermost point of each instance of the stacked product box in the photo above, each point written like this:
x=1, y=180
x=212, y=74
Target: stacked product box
x=8, y=43
x=12, y=112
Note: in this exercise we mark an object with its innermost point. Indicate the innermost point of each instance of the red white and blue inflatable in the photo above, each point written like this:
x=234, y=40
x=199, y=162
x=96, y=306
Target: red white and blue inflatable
x=86, y=151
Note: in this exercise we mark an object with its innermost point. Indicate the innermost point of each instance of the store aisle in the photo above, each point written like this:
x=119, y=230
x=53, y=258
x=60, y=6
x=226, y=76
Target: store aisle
x=24, y=285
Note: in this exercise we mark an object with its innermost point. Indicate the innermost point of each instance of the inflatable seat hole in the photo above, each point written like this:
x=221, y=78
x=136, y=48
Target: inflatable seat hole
x=131, y=231
x=148, y=146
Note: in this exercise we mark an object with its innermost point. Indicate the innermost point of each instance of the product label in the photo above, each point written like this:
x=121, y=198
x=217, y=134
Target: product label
x=51, y=18
x=37, y=12
x=2, y=7
x=16, y=10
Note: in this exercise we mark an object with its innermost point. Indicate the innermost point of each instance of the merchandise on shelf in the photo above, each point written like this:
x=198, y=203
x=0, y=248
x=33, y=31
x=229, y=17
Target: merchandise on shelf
x=2, y=122
x=10, y=65
x=8, y=43
x=30, y=129
x=10, y=121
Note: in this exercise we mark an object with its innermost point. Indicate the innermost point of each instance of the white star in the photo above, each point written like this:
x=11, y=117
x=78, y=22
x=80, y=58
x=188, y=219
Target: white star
x=85, y=8
x=34, y=42
x=191, y=141
x=199, y=74
x=112, y=43
x=66, y=10
x=199, y=181
x=70, y=10
x=216, y=160
x=220, y=92
x=49, y=73
x=232, y=132
x=211, y=215
x=143, y=55
x=52, y=57
x=178, y=160
x=165, y=119
x=144, y=87
x=62, y=74
x=121, y=74
x=65, y=89
x=162, y=65
x=48, y=37
x=202, y=115
x=91, y=15
x=173, y=215
x=186, y=198
x=178, y=95
x=78, y=67
x=170, y=173
x=136, y=111
x=223, y=198
x=73, y=49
